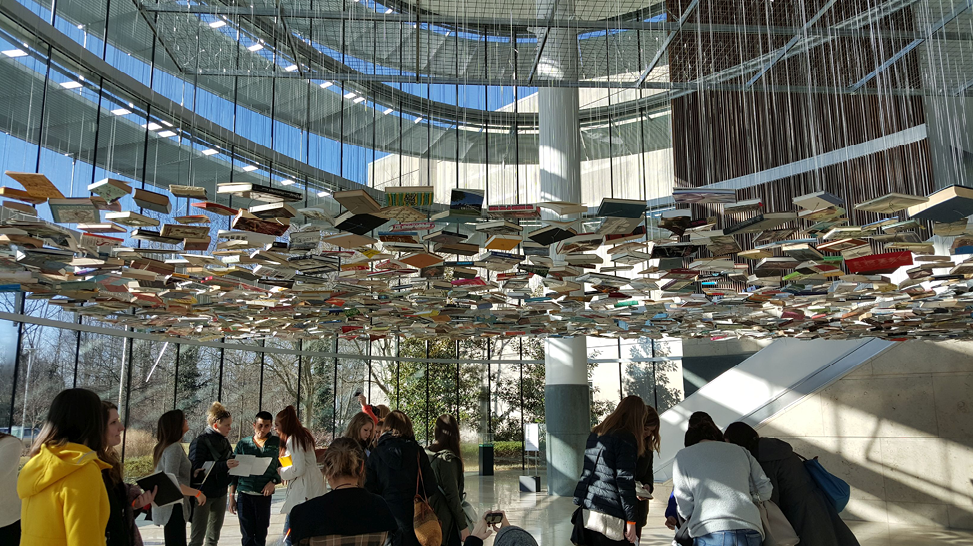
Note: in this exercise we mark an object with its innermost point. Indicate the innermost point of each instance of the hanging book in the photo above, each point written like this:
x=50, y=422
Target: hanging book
x=409, y=196
x=152, y=201
x=192, y=192
x=466, y=203
x=74, y=210
x=110, y=189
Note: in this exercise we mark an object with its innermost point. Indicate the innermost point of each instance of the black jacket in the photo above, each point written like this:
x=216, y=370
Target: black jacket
x=609, y=486
x=391, y=472
x=644, y=475
x=807, y=509
x=211, y=446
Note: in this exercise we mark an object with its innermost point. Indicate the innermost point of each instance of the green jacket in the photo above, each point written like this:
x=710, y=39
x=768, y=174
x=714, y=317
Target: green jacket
x=255, y=484
x=448, y=504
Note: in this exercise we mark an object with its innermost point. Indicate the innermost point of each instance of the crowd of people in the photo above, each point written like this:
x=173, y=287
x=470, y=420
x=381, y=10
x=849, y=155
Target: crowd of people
x=72, y=490
x=720, y=478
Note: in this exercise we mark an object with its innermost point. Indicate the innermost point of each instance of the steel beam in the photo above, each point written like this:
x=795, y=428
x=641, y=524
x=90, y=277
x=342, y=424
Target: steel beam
x=933, y=29
x=665, y=43
x=792, y=42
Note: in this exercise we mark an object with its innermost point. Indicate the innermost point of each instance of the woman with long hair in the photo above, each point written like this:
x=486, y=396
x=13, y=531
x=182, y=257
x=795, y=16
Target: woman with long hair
x=392, y=471
x=715, y=485
x=10, y=450
x=169, y=457
x=606, y=491
x=211, y=446
x=124, y=499
x=64, y=498
x=447, y=465
x=348, y=510
x=304, y=480
x=806, y=507
x=643, y=467
x=361, y=429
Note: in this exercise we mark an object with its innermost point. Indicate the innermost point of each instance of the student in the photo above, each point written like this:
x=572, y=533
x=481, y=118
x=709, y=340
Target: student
x=10, y=450
x=712, y=482
x=606, y=490
x=643, y=466
x=169, y=457
x=807, y=509
x=304, y=480
x=361, y=429
x=392, y=471
x=348, y=510
x=256, y=491
x=123, y=498
x=447, y=465
x=211, y=446
x=377, y=413
x=65, y=502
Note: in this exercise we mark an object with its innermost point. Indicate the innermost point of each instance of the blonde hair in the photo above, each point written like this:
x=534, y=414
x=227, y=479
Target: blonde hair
x=217, y=412
x=652, y=421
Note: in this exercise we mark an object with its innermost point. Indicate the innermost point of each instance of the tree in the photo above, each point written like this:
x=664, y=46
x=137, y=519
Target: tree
x=651, y=382
x=189, y=381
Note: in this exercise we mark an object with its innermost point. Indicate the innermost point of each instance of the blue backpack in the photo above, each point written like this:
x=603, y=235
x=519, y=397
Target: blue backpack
x=837, y=490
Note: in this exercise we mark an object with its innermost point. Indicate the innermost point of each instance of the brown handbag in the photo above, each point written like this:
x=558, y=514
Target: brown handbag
x=428, y=530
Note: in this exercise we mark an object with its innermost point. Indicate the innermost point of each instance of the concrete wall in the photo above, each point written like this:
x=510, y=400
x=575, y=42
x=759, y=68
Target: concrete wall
x=704, y=360
x=899, y=430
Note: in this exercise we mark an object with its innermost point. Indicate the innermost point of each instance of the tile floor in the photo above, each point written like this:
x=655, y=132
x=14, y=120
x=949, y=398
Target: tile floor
x=548, y=519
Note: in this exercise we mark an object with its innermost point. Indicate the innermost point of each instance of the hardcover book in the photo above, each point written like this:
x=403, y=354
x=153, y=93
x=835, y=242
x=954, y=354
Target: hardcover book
x=193, y=192
x=259, y=192
x=110, y=189
x=36, y=184
x=409, y=196
x=949, y=204
x=466, y=203
x=625, y=208
x=74, y=210
x=152, y=201
x=216, y=208
x=131, y=219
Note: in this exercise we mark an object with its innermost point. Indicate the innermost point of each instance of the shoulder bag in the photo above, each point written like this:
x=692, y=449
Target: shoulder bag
x=428, y=530
x=837, y=490
x=777, y=530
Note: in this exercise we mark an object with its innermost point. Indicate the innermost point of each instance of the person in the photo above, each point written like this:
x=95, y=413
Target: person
x=643, y=467
x=672, y=513
x=507, y=535
x=10, y=450
x=211, y=446
x=606, y=491
x=377, y=413
x=392, y=471
x=304, y=480
x=64, y=500
x=169, y=457
x=252, y=506
x=812, y=515
x=447, y=465
x=124, y=499
x=361, y=428
x=714, y=484
x=340, y=512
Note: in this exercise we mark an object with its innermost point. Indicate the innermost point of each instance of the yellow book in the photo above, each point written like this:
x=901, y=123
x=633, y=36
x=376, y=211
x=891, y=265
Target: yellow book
x=285, y=461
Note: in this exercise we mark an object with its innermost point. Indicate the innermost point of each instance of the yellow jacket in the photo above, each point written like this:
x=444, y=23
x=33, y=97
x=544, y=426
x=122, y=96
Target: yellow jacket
x=64, y=497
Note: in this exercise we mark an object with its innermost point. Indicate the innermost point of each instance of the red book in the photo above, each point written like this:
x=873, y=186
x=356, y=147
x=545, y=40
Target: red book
x=876, y=263
x=216, y=208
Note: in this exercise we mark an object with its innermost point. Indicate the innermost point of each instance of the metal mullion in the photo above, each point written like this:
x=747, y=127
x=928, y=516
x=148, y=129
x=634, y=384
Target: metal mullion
x=77, y=354
x=175, y=378
x=300, y=369
x=128, y=390
x=219, y=387
x=334, y=394
x=426, y=423
x=19, y=349
x=260, y=391
x=523, y=430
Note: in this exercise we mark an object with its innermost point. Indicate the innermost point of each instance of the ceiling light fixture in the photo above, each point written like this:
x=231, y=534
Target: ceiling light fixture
x=121, y=111
x=388, y=111
x=152, y=126
x=209, y=151
x=388, y=11
x=359, y=100
x=255, y=47
x=71, y=84
x=350, y=95
x=167, y=133
x=250, y=168
x=324, y=193
x=658, y=114
x=287, y=182
x=325, y=85
x=217, y=24
x=418, y=119
x=14, y=53
x=290, y=68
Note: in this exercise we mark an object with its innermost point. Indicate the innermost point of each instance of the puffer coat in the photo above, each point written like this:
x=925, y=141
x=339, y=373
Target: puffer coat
x=607, y=482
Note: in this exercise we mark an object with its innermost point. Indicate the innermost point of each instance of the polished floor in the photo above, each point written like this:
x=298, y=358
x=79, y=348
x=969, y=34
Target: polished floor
x=547, y=518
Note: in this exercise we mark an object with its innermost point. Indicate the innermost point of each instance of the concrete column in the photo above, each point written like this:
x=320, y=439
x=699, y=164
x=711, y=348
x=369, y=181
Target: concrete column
x=566, y=402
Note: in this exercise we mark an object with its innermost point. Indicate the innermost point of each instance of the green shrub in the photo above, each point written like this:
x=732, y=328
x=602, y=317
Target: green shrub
x=137, y=467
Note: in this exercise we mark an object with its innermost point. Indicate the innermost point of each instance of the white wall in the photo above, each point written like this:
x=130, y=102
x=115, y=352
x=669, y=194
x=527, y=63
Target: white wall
x=899, y=429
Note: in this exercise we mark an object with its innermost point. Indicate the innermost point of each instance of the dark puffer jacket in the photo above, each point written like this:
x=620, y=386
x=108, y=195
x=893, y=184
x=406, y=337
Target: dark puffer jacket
x=609, y=486
x=391, y=472
x=211, y=446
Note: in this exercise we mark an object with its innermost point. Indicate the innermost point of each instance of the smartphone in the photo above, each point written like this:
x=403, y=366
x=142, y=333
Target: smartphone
x=357, y=393
x=493, y=517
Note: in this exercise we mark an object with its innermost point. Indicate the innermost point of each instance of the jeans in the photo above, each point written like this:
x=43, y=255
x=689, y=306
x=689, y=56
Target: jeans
x=287, y=530
x=174, y=530
x=208, y=522
x=254, y=513
x=10, y=534
x=738, y=537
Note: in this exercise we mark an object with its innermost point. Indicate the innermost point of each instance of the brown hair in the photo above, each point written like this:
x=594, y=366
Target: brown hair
x=74, y=416
x=168, y=432
x=289, y=426
x=383, y=411
x=654, y=441
x=107, y=453
x=358, y=422
x=398, y=424
x=217, y=412
x=344, y=457
x=629, y=417
x=446, y=436
x=742, y=435
x=702, y=430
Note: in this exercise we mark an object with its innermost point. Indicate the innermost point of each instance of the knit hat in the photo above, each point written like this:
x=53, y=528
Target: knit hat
x=513, y=536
